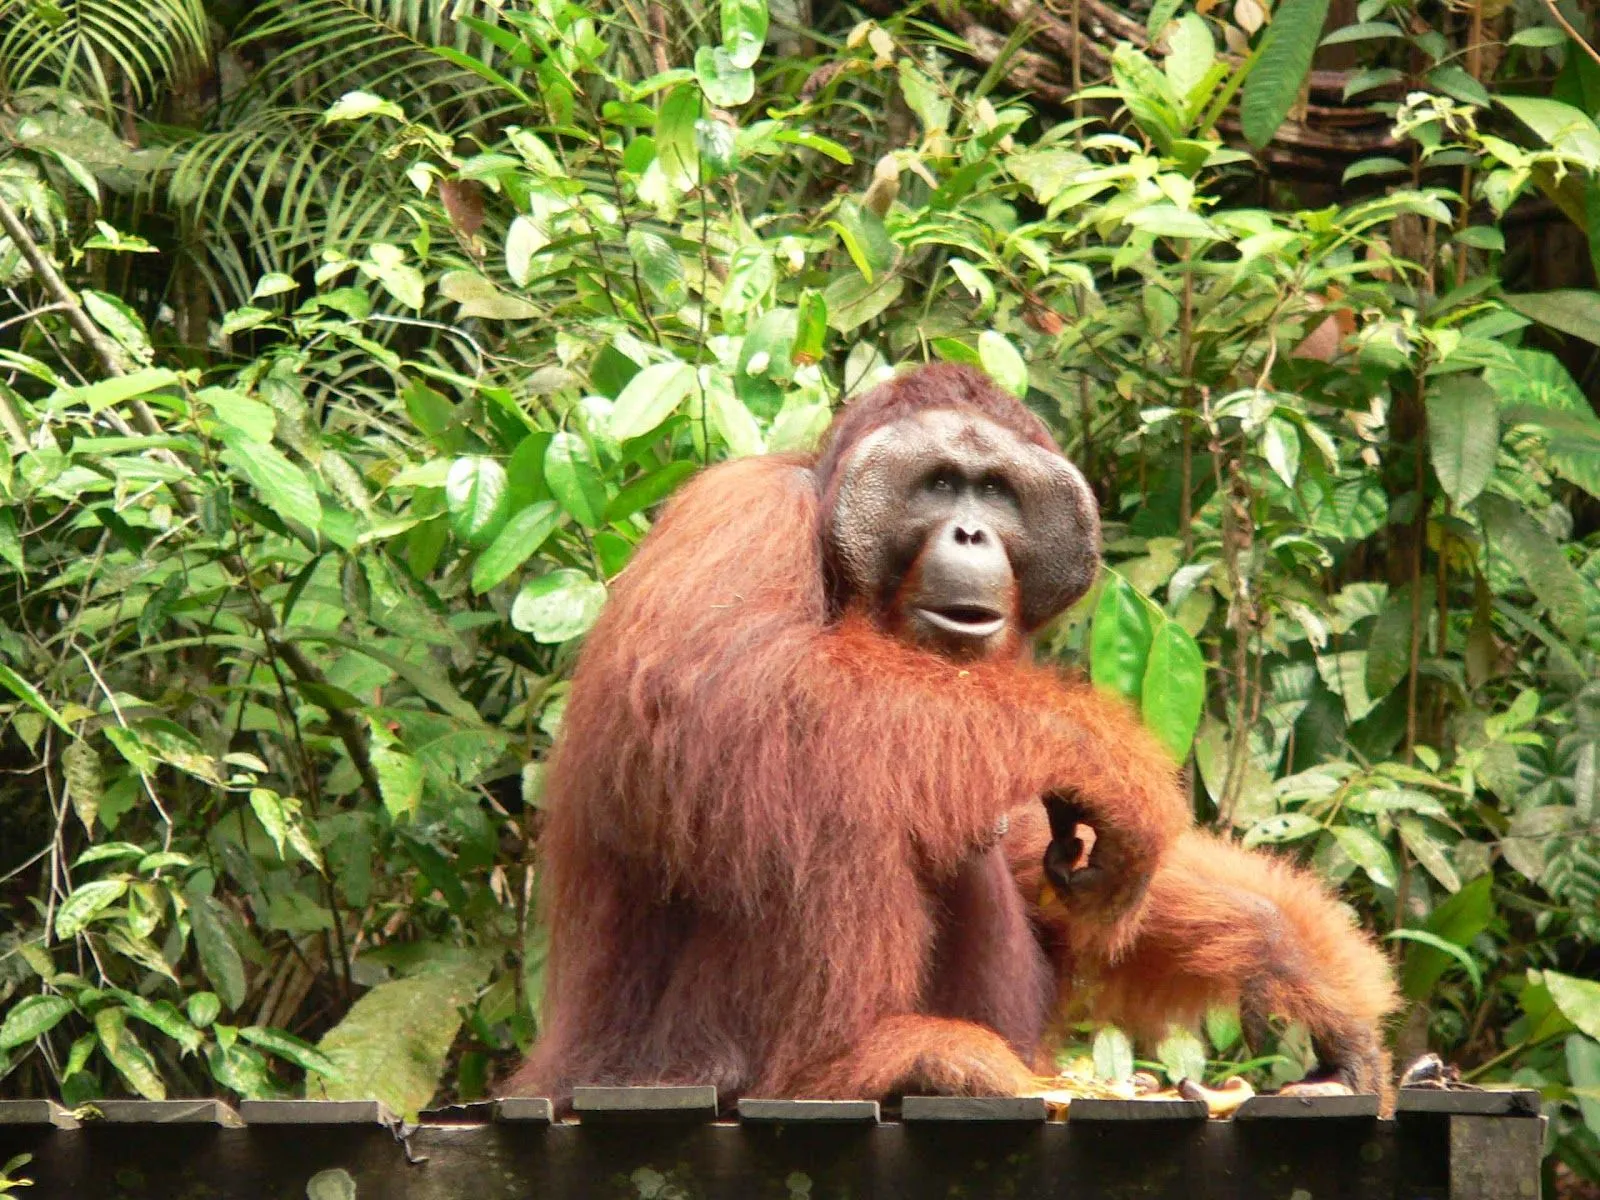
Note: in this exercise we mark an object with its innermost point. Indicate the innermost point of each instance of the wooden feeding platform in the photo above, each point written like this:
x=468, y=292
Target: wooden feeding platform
x=669, y=1143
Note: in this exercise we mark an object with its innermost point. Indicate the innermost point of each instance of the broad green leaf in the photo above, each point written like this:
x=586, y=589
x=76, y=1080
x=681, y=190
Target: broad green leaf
x=523, y=240
x=203, y=1008
x=85, y=903
x=574, y=480
x=1160, y=13
x=399, y=781
x=1583, y=1069
x=30, y=1017
x=1191, y=53
x=658, y=263
x=559, y=606
x=751, y=274
x=1568, y=131
x=744, y=30
x=1174, y=688
x=1168, y=220
x=733, y=422
x=1113, y=1055
x=1389, y=646
x=475, y=495
x=648, y=490
x=649, y=398
x=393, y=1043
x=1573, y=311
x=1283, y=61
x=96, y=397
x=353, y=106
x=1182, y=1056
x=1427, y=850
x=1280, y=445
x=1345, y=674
x=1280, y=828
x=1578, y=1000
x=1003, y=362
x=1538, y=561
x=1119, y=640
x=1463, y=434
x=1538, y=380
x=1363, y=31
x=283, y=487
x=852, y=301
x=725, y=84
x=132, y=1061
x=219, y=957
x=1223, y=1027
x=268, y=808
x=1434, y=941
x=478, y=297
x=287, y=1046
x=924, y=96
x=160, y=1014
x=29, y=695
x=522, y=535
x=386, y=263
x=676, y=148
x=1367, y=852
x=1458, y=919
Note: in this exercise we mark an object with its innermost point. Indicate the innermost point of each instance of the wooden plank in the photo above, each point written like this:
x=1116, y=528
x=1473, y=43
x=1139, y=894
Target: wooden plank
x=315, y=1112
x=973, y=1108
x=1495, y=1158
x=1137, y=1110
x=535, y=1109
x=1490, y=1102
x=1300, y=1108
x=36, y=1112
x=809, y=1110
x=694, y=1102
x=167, y=1112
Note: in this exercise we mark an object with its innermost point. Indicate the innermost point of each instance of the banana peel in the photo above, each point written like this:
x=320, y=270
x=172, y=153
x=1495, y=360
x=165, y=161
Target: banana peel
x=1059, y=1091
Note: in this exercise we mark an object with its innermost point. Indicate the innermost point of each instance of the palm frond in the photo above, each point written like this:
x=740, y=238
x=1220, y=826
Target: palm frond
x=94, y=47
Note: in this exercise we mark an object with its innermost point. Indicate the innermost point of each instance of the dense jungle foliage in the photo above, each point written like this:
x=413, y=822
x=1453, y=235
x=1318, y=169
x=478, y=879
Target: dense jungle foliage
x=347, y=345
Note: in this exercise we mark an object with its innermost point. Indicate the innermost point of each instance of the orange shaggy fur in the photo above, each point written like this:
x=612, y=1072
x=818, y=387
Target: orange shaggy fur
x=771, y=857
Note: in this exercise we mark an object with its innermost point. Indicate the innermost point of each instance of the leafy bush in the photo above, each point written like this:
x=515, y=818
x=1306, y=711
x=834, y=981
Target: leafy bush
x=329, y=424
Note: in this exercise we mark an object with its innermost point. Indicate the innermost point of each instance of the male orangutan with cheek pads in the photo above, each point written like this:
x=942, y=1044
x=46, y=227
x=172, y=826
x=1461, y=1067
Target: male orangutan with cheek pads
x=777, y=856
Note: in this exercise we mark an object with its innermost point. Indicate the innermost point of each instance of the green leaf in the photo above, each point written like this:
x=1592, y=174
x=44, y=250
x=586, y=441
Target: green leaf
x=399, y=781
x=475, y=494
x=219, y=958
x=1174, y=688
x=1583, y=1069
x=354, y=106
x=1119, y=640
x=574, y=480
x=515, y=544
x=283, y=487
x=393, y=1043
x=1003, y=362
x=744, y=30
x=1578, y=1000
x=203, y=1008
x=1284, y=61
x=1160, y=13
x=1458, y=919
x=1537, y=560
x=1426, y=849
x=1463, y=434
x=478, y=297
x=85, y=903
x=1113, y=1055
x=1574, y=311
x=1434, y=941
x=1568, y=131
x=132, y=1061
x=523, y=240
x=1389, y=646
x=648, y=490
x=676, y=148
x=160, y=1014
x=287, y=1046
x=658, y=263
x=1363, y=31
x=1191, y=53
x=559, y=606
x=1367, y=852
x=1182, y=1056
x=1280, y=828
x=386, y=264
x=725, y=84
x=99, y=396
x=732, y=420
x=649, y=398
x=31, y=1017
x=1168, y=220
x=29, y=695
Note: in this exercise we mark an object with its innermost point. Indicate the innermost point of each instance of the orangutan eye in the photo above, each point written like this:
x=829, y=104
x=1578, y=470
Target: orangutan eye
x=942, y=482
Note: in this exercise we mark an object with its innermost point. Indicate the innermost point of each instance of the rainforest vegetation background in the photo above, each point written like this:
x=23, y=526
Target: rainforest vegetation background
x=346, y=347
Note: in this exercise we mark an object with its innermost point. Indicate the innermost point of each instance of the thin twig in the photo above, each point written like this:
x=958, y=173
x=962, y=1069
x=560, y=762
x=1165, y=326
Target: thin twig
x=1571, y=32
